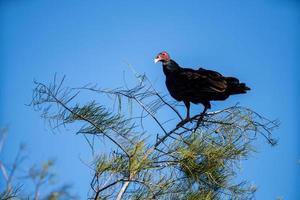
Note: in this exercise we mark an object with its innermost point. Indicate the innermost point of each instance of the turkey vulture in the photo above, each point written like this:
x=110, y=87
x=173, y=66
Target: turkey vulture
x=197, y=86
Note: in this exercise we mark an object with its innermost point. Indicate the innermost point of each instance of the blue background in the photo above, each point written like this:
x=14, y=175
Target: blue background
x=91, y=41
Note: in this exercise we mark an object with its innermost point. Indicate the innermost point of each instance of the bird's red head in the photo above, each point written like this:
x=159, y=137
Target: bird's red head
x=162, y=57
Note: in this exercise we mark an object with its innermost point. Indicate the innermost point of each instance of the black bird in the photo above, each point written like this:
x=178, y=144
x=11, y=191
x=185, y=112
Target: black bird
x=197, y=86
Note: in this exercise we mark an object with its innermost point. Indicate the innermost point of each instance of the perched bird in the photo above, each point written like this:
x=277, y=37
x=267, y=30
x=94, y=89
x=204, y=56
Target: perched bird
x=197, y=86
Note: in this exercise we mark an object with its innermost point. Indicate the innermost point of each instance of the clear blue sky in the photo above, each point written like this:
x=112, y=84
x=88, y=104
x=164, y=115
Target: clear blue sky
x=89, y=41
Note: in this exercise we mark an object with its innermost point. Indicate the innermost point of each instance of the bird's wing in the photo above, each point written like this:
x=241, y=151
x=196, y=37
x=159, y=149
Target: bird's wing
x=204, y=80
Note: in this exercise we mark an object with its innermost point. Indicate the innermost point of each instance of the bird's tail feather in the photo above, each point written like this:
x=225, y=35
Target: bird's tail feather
x=235, y=87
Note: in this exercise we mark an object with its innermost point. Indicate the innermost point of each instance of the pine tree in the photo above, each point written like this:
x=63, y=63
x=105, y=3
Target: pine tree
x=15, y=176
x=151, y=157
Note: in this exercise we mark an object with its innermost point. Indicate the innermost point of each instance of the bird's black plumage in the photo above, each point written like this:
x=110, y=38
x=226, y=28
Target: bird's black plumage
x=198, y=86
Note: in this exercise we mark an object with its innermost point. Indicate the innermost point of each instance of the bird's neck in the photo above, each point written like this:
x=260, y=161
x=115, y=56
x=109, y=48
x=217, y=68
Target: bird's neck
x=170, y=66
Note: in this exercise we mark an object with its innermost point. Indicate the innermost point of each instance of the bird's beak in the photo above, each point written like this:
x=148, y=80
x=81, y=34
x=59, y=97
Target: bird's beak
x=156, y=60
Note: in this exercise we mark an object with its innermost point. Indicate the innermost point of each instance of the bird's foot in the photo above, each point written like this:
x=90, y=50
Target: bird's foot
x=183, y=122
x=200, y=119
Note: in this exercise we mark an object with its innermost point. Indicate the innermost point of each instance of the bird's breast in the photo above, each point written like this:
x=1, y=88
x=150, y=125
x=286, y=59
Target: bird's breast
x=173, y=86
